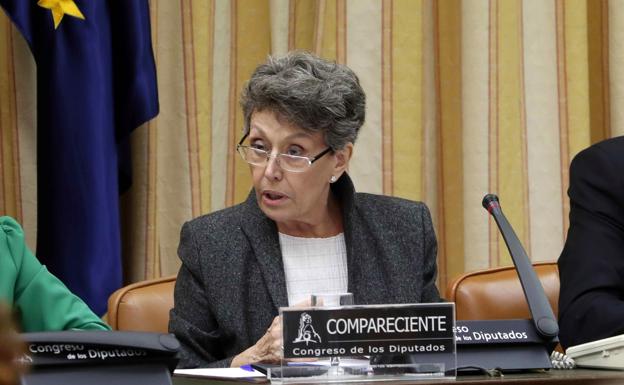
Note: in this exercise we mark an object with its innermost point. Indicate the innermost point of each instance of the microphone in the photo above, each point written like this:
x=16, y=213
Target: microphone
x=510, y=344
x=541, y=312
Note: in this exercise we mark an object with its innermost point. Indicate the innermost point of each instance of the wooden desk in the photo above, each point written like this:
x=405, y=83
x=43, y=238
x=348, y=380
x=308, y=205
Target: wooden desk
x=575, y=377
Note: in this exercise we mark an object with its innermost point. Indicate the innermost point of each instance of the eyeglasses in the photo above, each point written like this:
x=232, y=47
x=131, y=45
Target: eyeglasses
x=293, y=163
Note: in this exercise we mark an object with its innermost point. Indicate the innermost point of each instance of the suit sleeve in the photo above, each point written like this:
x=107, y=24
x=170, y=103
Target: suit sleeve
x=591, y=265
x=430, y=252
x=42, y=300
x=191, y=319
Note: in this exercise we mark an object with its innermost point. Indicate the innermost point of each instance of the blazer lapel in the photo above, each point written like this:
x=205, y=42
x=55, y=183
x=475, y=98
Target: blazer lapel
x=366, y=282
x=366, y=279
x=264, y=240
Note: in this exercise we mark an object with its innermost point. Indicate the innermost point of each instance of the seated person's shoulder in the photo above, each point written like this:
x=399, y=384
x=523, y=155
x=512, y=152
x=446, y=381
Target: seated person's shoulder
x=12, y=242
x=597, y=171
x=220, y=221
x=218, y=231
x=387, y=204
x=10, y=228
x=609, y=152
x=615, y=145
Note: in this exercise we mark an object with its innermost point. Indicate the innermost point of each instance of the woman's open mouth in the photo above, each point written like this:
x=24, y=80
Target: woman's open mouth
x=273, y=197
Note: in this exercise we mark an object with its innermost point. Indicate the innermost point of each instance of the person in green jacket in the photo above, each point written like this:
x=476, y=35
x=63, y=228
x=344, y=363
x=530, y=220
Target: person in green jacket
x=41, y=301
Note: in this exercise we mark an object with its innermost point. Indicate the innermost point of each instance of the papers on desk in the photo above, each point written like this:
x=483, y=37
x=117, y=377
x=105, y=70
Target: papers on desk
x=222, y=374
x=250, y=375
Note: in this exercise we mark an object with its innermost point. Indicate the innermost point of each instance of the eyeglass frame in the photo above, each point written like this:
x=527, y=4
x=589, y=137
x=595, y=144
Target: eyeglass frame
x=311, y=159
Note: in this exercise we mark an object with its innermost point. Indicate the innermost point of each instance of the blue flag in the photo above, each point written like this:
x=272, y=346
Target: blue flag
x=96, y=82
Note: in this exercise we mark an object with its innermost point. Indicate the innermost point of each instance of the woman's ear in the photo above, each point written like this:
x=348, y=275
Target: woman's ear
x=343, y=156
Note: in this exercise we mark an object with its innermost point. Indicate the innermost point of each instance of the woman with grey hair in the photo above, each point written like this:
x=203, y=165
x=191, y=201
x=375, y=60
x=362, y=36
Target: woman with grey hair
x=302, y=230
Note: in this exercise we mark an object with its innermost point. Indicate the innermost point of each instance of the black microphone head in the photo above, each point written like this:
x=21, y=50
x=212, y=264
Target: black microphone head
x=488, y=200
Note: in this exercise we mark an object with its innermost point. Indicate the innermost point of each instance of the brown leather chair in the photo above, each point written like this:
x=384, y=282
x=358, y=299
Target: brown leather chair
x=485, y=294
x=142, y=306
x=497, y=294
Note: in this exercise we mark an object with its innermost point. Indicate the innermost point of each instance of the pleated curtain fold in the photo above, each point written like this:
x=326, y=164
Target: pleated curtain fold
x=464, y=98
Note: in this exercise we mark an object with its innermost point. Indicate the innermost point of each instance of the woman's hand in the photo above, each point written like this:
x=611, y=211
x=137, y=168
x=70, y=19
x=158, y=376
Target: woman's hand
x=269, y=348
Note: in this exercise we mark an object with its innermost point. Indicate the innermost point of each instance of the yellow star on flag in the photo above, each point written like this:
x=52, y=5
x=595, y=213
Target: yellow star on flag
x=59, y=8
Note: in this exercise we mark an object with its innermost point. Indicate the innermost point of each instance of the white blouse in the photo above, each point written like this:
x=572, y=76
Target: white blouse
x=314, y=266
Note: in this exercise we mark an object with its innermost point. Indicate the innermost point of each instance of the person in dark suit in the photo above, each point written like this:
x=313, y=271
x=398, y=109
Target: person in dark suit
x=591, y=266
x=302, y=229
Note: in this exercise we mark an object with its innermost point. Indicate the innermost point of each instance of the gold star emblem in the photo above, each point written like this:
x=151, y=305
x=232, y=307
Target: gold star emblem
x=59, y=8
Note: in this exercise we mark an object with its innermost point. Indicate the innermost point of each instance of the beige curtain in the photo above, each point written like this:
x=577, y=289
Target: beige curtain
x=464, y=98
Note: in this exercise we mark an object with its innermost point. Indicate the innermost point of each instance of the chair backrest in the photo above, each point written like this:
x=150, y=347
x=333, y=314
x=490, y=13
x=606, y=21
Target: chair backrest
x=485, y=294
x=497, y=294
x=142, y=306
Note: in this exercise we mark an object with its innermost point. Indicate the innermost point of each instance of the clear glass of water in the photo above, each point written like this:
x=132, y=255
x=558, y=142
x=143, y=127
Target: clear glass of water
x=332, y=300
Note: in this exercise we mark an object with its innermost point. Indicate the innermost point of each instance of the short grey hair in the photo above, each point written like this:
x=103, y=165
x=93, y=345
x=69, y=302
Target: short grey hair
x=310, y=92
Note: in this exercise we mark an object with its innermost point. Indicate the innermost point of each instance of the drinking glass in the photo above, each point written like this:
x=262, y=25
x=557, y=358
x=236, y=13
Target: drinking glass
x=332, y=300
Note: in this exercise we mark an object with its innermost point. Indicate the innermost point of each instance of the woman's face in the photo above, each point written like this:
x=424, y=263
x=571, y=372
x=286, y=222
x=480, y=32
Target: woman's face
x=293, y=199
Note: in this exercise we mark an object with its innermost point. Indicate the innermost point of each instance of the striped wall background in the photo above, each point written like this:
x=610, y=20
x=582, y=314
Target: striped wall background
x=464, y=97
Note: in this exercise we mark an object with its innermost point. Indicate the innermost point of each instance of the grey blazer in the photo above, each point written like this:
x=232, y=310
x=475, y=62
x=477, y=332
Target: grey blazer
x=231, y=282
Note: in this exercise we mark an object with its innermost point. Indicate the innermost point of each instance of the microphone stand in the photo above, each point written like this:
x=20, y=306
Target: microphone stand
x=541, y=312
x=513, y=344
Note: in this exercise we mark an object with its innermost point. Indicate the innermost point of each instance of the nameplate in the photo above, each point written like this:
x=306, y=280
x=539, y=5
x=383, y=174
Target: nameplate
x=98, y=347
x=511, y=331
x=369, y=330
x=53, y=353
